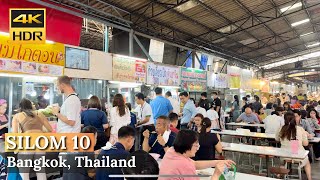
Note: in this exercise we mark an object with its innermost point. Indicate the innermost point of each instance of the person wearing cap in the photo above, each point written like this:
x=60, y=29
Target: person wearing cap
x=3, y=117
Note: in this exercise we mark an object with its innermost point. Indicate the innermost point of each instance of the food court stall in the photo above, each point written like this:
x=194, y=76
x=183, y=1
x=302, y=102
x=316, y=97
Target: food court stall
x=193, y=81
x=165, y=76
x=29, y=70
x=128, y=75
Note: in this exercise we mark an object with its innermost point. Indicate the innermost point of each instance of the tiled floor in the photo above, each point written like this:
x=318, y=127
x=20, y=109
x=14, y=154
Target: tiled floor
x=243, y=167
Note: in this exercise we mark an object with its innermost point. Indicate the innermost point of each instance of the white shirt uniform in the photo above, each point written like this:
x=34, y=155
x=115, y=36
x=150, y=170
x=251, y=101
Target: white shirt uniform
x=71, y=108
x=144, y=111
x=214, y=117
x=202, y=111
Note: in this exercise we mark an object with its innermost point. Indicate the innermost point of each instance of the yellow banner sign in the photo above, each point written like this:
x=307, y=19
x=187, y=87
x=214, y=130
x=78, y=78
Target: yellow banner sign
x=49, y=142
x=53, y=54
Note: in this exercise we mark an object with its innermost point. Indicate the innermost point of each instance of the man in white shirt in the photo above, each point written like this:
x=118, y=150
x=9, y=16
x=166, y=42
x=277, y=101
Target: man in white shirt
x=145, y=118
x=175, y=103
x=274, y=121
x=69, y=114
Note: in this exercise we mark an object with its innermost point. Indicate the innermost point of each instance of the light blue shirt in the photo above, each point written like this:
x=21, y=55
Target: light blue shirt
x=160, y=107
x=189, y=111
x=249, y=119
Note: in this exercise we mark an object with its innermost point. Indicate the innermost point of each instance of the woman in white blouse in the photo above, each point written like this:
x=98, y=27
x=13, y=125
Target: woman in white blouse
x=119, y=116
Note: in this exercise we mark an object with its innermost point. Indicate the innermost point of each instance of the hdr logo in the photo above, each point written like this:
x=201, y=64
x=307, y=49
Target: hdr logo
x=28, y=25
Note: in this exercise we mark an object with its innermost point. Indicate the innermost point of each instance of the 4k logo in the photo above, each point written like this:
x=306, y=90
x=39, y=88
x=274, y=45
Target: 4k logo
x=28, y=25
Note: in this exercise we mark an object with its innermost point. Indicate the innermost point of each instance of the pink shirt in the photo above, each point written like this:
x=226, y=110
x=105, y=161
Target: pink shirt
x=174, y=163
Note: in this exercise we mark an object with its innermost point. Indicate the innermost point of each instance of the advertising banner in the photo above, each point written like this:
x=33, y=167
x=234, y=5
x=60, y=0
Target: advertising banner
x=221, y=81
x=234, y=76
x=193, y=80
x=127, y=69
x=162, y=75
x=246, y=77
x=38, y=59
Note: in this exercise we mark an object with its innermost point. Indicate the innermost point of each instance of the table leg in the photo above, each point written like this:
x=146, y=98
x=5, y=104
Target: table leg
x=267, y=165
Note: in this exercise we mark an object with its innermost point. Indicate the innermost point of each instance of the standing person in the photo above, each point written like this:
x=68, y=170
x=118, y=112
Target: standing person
x=189, y=110
x=175, y=103
x=119, y=151
x=160, y=141
x=145, y=117
x=217, y=105
x=204, y=102
x=133, y=117
x=244, y=104
x=69, y=114
x=119, y=117
x=3, y=117
x=291, y=131
x=200, y=110
x=235, y=109
x=257, y=104
x=214, y=117
x=96, y=118
x=160, y=106
x=28, y=120
x=209, y=142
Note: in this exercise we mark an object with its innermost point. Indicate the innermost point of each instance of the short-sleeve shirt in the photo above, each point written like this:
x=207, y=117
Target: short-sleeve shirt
x=217, y=102
x=301, y=136
x=145, y=111
x=94, y=117
x=249, y=119
x=70, y=108
x=157, y=148
x=160, y=107
x=189, y=111
x=273, y=123
x=207, y=142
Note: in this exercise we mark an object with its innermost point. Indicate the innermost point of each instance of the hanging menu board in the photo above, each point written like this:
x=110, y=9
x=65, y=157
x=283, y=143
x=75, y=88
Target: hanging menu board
x=39, y=59
x=126, y=69
x=193, y=80
x=161, y=75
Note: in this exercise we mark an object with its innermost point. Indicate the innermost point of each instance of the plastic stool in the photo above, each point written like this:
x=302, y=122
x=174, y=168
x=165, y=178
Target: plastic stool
x=279, y=171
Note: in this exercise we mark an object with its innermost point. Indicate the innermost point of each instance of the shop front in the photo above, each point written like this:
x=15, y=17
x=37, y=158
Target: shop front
x=28, y=70
x=128, y=75
x=164, y=76
x=193, y=81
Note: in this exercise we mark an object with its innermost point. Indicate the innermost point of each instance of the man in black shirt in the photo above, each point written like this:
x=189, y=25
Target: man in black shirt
x=204, y=102
x=216, y=104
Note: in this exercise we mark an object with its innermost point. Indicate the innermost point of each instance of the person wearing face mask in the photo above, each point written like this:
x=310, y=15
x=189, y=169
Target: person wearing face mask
x=3, y=117
x=69, y=115
x=177, y=160
x=161, y=140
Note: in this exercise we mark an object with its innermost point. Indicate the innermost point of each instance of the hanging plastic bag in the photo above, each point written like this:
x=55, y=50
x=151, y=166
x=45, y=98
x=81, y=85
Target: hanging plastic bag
x=227, y=174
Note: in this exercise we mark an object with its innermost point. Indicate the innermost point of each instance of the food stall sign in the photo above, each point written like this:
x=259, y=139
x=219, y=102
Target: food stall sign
x=193, y=80
x=162, y=75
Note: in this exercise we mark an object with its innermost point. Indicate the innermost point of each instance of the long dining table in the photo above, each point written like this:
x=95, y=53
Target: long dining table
x=264, y=150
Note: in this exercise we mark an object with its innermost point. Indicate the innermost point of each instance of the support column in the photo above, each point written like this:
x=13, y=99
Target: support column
x=131, y=43
x=142, y=48
x=106, y=39
x=193, y=59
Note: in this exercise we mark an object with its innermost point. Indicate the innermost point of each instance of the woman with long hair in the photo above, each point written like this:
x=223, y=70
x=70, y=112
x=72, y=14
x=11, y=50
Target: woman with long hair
x=290, y=132
x=209, y=142
x=93, y=116
x=235, y=109
x=313, y=119
x=119, y=116
x=3, y=117
x=28, y=120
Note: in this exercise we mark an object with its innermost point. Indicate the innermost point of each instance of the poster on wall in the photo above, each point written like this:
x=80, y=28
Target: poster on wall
x=39, y=59
x=162, y=75
x=234, y=76
x=211, y=76
x=127, y=69
x=246, y=76
x=193, y=80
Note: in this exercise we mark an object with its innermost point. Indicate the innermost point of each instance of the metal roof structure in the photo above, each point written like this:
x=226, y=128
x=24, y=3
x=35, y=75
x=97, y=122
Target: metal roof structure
x=256, y=32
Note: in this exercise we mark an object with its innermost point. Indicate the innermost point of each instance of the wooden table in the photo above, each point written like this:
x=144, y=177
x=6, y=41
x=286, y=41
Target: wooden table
x=239, y=176
x=263, y=150
x=245, y=124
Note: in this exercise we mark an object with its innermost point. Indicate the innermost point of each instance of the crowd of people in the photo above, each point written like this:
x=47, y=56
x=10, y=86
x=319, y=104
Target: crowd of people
x=178, y=136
